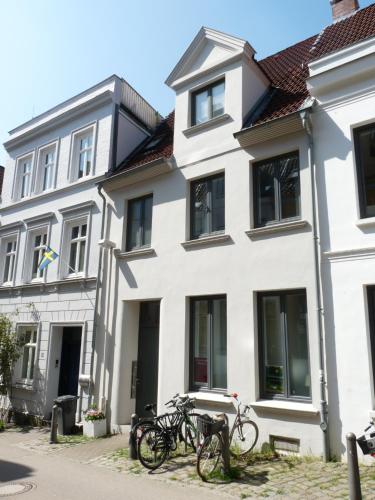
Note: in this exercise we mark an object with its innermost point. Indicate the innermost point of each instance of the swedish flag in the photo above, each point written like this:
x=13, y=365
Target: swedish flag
x=48, y=257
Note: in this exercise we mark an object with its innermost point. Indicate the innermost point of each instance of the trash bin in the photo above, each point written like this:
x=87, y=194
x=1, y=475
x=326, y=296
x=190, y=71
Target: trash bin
x=67, y=414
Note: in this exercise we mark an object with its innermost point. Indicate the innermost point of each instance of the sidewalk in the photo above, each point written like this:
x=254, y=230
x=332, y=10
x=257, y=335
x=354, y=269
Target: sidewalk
x=282, y=478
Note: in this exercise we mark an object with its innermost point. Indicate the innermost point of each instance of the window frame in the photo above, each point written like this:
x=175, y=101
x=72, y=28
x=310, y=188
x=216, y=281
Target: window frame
x=43, y=232
x=261, y=351
x=18, y=379
x=52, y=146
x=76, y=136
x=360, y=170
x=277, y=197
x=79, y=239
x=209, y=179
x=142, y=199
x=18, y=176
x=4, y=242
x=193, y=105
x=202, y=387
x=371, y=319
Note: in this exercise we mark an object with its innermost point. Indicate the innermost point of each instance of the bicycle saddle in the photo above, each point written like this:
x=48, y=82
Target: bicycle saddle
x=150, y=406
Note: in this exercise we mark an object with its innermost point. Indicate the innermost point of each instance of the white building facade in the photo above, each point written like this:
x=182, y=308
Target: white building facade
x=50, y=200
x=241, y=262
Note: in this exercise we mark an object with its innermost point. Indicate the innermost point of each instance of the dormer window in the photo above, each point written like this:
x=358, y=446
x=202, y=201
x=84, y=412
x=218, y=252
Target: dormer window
x=82, y=160
x=207, y=103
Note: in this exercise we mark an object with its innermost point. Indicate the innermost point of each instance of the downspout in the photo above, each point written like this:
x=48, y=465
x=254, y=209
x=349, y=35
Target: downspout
x=97, y=289
x=307, y=125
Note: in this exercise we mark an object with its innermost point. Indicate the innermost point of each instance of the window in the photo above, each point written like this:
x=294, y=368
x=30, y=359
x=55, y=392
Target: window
x=28, y=338
x=10, y=260
x=364, y=140
x=47, y=168
x=277, y=189
x=208, y=103
x=371, y=311
x=209, y=342
x=39, y=246
x=284, y=349
x=25, y=177
x=207, y=206
x=139, y=223
x=77, y=251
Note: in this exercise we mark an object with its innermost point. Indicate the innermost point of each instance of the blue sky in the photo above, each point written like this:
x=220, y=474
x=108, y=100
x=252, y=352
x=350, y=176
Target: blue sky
x=52, y=49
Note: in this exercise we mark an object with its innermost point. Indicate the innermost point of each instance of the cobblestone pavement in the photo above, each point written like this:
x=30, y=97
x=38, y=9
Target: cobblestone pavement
x=278, y=478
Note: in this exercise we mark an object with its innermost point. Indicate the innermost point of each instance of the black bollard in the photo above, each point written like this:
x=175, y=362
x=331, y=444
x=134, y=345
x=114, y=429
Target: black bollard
x=133, y=454
x=53, y=435
x=353, y=468
x=225, y=450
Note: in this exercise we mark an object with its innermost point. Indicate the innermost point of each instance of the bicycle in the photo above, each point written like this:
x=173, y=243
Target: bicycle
x=243, y=437
x=159, y=439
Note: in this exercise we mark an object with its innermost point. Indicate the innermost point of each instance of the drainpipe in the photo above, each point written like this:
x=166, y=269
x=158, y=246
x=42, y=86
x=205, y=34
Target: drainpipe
x=307, y=125
x=97, y=289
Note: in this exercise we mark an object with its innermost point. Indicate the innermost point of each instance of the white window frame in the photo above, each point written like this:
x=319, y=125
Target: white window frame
x=65, y=271
x=29, y=254
x=51, y=147
x=21, y=329
x=76, y=137
x=13, y=257
x=19, y=175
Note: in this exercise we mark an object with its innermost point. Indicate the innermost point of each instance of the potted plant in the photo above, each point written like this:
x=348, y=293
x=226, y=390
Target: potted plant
x=94, y=422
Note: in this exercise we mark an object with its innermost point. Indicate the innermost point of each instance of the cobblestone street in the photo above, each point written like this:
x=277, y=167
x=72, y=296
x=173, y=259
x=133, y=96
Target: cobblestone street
x=282, y=477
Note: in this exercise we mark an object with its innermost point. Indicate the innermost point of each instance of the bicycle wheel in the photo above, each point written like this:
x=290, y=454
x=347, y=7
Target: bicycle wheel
x=188, y=431
x=243, y=438
x=209, y=456
x=152, y=448
x=140, y=428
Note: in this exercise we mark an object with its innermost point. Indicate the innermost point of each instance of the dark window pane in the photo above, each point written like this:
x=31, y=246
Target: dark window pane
x=200, y=341
x=296, y=317
x=147, y=224
x=201, y=107
x=218, y=207
x=38, y=240
x=200, y=209
x=265, y=186
x=219, y=343
x=289, y=186
x=73, y=256
x=7, y=276
x=82, y=249
x=83, y=229
x=35, y=264
x=9, y=246
x=273, y=345
x=366, y=155
x=218, y=100
x=75, y=232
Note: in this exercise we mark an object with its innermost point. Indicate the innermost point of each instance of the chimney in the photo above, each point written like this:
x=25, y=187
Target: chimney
x=342, y=8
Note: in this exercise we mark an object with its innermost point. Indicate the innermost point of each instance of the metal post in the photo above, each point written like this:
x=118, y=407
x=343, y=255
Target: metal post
x=133, y=454
x=353, y=469
x=53, y=435
x=225, y=450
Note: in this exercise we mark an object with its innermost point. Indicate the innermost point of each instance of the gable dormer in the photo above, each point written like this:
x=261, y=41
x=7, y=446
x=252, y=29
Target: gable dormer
x=217, y=81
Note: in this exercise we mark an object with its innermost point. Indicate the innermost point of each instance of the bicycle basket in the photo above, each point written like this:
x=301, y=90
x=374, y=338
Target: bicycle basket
x=208, y=426
x=367, y=445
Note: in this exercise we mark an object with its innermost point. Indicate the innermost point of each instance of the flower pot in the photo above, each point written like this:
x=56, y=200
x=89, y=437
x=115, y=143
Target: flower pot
x=95, y=428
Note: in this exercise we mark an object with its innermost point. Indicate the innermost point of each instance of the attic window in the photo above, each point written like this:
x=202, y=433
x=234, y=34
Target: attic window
x=152, y=144
x=207, y=103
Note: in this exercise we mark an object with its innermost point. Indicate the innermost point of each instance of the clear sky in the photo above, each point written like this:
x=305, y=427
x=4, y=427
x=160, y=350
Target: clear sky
x=53, y=49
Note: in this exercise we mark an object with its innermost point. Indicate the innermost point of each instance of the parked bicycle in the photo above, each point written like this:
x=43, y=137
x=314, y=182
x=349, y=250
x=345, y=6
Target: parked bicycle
x=243, y=437
x=367, y=441
x=167, y=431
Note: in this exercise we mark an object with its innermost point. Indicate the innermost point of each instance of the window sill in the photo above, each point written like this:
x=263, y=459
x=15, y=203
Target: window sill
x=133, y=254
x=286, y=407
x=216, y=239
x=276, y=228
x=24, y=386
x=195, y=129
x=210, y=397
x=369, y=222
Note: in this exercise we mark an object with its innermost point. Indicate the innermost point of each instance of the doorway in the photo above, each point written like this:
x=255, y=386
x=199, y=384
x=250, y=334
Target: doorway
x=148, y=356
x=70, y=360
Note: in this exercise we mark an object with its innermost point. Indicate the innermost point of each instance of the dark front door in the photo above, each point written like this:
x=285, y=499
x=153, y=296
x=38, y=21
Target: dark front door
x=148, y=356
x=69, y=363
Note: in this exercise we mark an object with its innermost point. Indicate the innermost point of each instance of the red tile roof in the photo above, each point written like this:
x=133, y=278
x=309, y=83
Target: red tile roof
x=287, y=71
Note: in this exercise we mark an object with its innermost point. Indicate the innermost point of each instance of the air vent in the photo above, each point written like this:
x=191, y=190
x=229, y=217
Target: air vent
x=285, y=445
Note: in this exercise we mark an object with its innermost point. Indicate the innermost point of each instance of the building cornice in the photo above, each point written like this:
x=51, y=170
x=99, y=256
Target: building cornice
x=85, y=205
x=51, y=286
x=39, y=218
x=58, y=120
